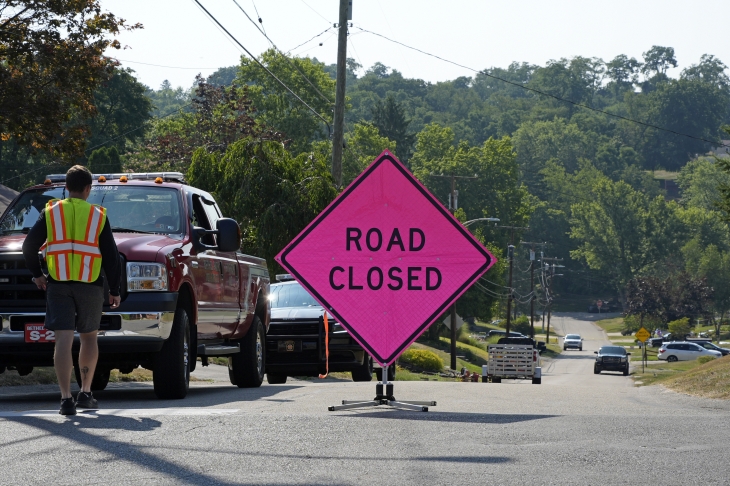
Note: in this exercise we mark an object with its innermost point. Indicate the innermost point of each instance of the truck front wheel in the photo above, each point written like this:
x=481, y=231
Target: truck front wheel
x=246, y=368
x=171, y=374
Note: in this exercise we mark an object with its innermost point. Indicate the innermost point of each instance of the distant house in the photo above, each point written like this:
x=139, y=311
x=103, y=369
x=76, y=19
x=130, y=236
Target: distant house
x=723, y=150
x=6, y=197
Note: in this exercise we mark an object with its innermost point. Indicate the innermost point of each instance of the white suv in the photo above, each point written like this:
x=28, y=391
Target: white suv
x=573, y=341
x=678, y=351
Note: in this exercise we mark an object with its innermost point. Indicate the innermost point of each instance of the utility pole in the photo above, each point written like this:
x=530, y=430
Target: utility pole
x=453, y=206
x=339, y=119
x=510, y=253
x=533, y=260
x=550, y=296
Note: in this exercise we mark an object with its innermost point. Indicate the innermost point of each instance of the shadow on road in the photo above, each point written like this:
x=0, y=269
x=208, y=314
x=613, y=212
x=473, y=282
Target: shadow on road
x=431, y=416
x=136, y=396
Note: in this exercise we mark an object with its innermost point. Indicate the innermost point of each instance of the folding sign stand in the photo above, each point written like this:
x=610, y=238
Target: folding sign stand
x=381, y=398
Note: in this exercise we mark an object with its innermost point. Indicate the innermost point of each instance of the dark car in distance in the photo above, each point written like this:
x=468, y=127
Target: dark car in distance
x=295, y=343
x=611, y=358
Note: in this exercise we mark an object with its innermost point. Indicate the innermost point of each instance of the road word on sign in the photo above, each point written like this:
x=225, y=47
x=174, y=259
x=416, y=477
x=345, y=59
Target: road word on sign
x=386, y=258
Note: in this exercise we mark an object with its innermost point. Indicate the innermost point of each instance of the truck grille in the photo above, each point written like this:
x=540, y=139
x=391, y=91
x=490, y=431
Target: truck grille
x=300, y=328
x=16, y=285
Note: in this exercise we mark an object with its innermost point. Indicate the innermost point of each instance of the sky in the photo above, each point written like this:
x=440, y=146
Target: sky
x=179, y=40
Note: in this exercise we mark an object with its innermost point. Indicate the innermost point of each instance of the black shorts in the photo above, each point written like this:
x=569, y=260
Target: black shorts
x=74, y=306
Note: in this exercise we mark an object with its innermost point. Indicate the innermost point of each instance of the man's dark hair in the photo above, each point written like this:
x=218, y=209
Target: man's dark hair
x=77, y=178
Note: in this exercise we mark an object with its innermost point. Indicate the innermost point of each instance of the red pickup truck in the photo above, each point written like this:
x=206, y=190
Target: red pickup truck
x=186, y=290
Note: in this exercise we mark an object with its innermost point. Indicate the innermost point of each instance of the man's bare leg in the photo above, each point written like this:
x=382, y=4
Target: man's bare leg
x=63, y=362
x=88, y=356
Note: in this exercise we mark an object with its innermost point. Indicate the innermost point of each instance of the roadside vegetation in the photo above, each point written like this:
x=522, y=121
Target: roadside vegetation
x=710, y=379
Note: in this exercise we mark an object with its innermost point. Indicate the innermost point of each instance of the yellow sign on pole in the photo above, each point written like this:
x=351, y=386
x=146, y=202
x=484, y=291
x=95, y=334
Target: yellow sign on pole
x=642, y=335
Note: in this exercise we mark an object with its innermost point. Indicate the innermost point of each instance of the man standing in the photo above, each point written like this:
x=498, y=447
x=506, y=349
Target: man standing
x=78, y=243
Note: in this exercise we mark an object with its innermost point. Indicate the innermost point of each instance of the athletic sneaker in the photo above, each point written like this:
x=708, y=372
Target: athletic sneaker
x=68, y=406
x=86, y=400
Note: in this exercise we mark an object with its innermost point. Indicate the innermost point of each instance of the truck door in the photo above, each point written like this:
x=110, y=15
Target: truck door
x=225, y=309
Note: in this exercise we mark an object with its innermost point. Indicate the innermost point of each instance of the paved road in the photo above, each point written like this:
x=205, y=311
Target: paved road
x=575, y=428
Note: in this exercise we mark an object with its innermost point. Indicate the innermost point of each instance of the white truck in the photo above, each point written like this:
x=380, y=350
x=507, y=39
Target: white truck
x=513, y=358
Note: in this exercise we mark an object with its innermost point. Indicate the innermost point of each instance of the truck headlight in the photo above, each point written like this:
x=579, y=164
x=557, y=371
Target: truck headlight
x=146, y=276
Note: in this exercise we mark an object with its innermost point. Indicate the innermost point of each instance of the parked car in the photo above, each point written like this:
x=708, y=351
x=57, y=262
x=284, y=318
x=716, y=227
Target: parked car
x=295, y=343
x=499, y=332
x=187, y=291
x=573, y=341
x=683, y=351
x=611, y=358
x=713, y=347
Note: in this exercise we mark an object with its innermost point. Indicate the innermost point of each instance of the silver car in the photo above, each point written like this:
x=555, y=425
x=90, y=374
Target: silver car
x=573, y=341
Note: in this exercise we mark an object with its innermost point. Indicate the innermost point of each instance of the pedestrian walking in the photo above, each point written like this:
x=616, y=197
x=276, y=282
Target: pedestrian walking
x=76, y=240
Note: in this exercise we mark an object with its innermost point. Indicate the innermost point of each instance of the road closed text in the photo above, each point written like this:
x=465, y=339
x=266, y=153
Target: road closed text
x=375, y=277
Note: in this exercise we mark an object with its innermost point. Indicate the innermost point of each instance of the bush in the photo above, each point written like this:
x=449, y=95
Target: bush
x=422, y=359
x=705, y=359
x=680, y=328
x=521, y=325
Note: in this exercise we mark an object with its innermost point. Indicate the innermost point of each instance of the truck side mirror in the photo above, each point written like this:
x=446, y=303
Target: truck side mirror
x=229, y=234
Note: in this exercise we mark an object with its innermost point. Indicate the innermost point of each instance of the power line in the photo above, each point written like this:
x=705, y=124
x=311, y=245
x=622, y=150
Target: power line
x=160, y=65
x=310, y=8
x=291, y=63
x=310, y=40
x=264, y=67
x=527, y=88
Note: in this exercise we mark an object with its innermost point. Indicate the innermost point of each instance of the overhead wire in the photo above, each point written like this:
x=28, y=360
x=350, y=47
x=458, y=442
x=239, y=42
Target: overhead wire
x=543, y=93
x=313, y=10
x=268, y=71
x=291, y=63
x=310, y=40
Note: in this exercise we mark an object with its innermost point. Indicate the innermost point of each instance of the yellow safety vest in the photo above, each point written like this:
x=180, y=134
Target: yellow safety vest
x=72, y=250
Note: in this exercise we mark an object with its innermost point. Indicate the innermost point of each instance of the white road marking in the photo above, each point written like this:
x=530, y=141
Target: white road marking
x=127, y=412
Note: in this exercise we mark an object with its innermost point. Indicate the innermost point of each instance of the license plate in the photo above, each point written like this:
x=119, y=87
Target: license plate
x=290, y=346
x=36, y=333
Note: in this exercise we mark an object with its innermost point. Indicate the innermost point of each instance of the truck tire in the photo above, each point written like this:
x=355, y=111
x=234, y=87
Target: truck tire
x=596, y=370
x=100, y=380
x=171, y=370
x=364, y=372
x=275, y=378
x=246, y=368
x=391, y=373
x=626, y=370
x=536, y=381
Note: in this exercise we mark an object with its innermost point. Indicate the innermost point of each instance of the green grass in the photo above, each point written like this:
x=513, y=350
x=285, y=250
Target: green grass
x=650, y=354
x=664, y=175
x=39, y=376
x=611, y=325
x=658, y=373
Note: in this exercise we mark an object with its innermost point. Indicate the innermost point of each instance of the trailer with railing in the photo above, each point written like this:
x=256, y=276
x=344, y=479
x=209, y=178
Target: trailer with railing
x=513, y=361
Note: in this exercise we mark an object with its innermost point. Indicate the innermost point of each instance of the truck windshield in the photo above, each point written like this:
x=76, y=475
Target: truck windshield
x=142, y=209
x=290, y=295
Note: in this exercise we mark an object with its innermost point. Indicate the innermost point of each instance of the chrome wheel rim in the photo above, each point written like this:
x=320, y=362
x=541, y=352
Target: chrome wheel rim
x=259, y=354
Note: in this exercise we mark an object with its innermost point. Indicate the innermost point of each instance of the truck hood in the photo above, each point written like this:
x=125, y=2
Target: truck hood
x=134, y=246
x=142, y=247
x=297, y=313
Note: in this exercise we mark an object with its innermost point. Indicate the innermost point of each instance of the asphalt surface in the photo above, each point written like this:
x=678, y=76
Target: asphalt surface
x=575, y=428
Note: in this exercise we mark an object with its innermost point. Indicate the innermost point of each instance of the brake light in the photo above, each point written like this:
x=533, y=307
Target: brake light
x=534, y=355
x=661, y=350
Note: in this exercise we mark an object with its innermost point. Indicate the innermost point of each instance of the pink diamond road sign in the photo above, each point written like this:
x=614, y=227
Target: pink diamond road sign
x=386, y=258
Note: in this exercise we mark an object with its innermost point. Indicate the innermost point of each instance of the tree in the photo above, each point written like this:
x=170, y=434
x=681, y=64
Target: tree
x=657, y=61
x=277, y=108
x=700, y=182
x=272, y=194
x=623, y=233
x=391, y=121
x=122, y=109
x=219, y=116
x=52, y=63
x=714, y=266
x=167, y=101
x=644, y=298
x=680, y=328
x=623, y=73
x=104, y=161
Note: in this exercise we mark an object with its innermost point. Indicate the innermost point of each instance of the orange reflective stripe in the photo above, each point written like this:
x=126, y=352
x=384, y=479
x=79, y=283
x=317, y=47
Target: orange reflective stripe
x=326, y=346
